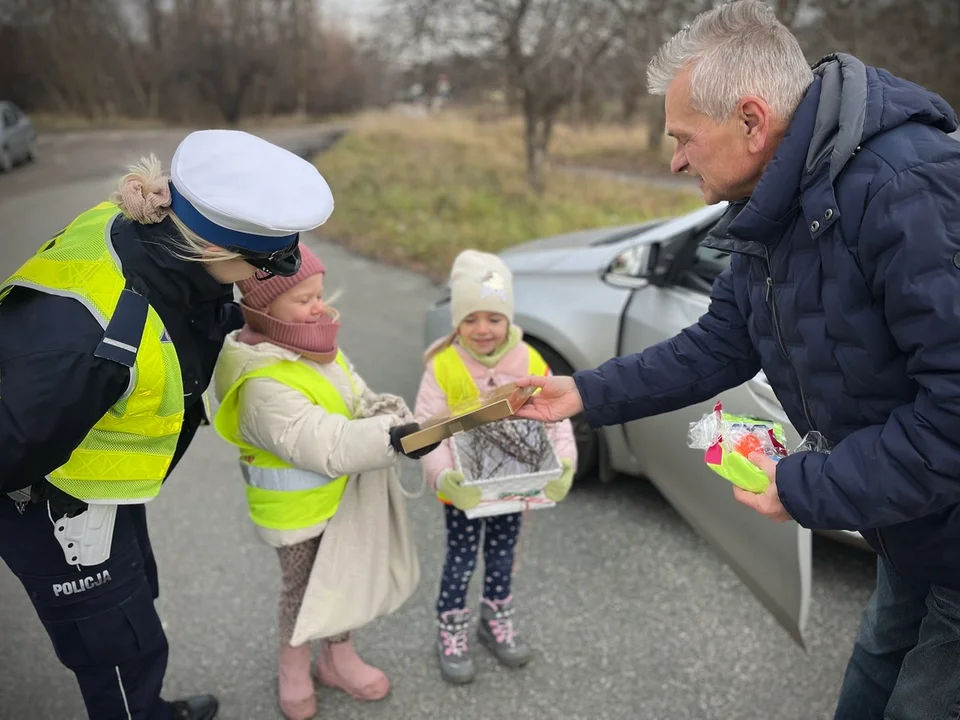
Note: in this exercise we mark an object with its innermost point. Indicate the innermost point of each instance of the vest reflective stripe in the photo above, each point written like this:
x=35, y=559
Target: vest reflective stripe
x=458, y=386
x=126, y=455
x=280, y=496
x=294, y=509
x=283, y=479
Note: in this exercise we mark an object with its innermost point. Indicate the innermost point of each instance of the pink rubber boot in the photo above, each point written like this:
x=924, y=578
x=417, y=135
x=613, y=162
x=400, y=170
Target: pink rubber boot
x=297, y=698
x=339, y=666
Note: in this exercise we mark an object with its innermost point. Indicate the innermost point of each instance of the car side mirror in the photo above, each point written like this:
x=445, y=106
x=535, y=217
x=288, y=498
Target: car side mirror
x=636, y=262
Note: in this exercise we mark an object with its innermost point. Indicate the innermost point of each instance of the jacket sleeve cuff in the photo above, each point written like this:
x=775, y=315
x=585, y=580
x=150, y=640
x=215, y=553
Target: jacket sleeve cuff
x=785, y=501
x=791, y=487
x=589, y=384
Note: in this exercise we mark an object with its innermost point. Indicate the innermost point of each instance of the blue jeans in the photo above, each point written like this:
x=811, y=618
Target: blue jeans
x=906, y=658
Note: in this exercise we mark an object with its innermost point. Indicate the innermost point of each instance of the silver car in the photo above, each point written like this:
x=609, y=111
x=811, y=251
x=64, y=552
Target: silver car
x=586, y=297
x=18, y=140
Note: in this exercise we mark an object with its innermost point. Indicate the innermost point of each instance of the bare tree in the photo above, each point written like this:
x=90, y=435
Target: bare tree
x=206, y=60
x=788, y=10
x=644, y=26
x=185, y=60
x=547, y=49
x=550, y=48
x=300, y=32
x=915, y=39
x=230, y=51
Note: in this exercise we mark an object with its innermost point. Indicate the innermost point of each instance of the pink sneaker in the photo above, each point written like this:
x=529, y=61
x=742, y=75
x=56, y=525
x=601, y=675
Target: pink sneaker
x=339, y=666
x=297, y=698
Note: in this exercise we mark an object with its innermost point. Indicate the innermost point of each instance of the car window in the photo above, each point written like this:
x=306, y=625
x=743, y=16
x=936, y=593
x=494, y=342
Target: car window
x=705, y=266
x=9, y=117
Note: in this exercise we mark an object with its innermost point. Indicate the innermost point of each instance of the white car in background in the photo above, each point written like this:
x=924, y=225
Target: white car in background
x=18, y=139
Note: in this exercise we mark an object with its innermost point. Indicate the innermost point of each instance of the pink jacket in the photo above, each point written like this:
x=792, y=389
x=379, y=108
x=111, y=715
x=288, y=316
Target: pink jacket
x=431, y=400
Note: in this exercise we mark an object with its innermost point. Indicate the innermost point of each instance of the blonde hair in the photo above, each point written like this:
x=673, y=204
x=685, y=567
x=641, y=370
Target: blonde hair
x=439, y=346
x=143, y=196
x=328, y=303
x=329, y=309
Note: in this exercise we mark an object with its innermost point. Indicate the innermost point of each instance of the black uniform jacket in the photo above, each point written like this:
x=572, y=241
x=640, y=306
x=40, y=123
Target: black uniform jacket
x=53, y=388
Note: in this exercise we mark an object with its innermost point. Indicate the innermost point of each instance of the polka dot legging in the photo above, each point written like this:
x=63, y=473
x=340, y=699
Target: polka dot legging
x=463, y=540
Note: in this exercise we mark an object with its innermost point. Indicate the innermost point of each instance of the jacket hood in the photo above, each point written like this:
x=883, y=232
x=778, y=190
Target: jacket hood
x=237, y=359
x=857, y=102
x=847, y=104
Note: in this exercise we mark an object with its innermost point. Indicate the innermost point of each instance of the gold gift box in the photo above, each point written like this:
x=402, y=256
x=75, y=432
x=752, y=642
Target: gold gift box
x=496, y=405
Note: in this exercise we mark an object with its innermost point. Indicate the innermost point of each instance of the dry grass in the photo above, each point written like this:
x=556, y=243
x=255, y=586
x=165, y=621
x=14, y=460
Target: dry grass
x=612, y=146
x=52, y=122
x=415, y=191
x=290, y=121
x=55, y=122
x=624, y=148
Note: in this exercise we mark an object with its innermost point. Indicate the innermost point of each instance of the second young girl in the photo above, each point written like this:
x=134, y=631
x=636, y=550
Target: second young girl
x=484, y=351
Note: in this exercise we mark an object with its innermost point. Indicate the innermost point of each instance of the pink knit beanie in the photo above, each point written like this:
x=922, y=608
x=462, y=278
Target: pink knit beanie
x=258, y=294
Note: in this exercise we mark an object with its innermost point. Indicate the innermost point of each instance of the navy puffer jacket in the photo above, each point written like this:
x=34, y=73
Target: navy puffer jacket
x=844, y=287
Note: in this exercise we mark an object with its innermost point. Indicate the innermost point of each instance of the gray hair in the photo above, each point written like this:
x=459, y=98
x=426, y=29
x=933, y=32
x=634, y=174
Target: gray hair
x=737, y=49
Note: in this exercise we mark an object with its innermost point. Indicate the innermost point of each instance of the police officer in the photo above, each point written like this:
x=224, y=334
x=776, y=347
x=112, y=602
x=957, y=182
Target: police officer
x=108, y=339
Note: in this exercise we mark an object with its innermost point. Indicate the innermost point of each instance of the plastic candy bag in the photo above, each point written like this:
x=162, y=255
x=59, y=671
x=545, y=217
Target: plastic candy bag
x=728, y=440
x=814, y=442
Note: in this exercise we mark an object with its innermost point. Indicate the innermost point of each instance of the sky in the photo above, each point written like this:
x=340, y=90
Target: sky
x=354, y=14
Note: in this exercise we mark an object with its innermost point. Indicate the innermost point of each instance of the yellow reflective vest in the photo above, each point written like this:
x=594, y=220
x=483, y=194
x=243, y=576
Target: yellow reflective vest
x=126, y=455
x=279, y=495
x=457, y=384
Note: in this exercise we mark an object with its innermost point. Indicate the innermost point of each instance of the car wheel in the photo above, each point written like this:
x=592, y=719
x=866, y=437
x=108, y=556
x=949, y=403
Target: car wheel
x=588, y=439
x=6, y=161
x=32, y=152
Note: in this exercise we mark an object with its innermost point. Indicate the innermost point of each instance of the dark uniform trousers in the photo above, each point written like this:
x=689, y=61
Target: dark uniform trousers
x=101, y=619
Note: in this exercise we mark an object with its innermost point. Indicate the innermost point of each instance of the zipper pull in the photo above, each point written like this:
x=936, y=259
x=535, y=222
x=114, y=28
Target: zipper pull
x=769, y=287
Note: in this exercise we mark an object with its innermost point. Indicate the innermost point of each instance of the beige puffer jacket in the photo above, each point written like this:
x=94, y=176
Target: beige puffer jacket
x=284, y=422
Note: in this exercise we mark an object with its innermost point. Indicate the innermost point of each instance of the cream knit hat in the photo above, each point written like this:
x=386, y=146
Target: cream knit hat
x=480, y=281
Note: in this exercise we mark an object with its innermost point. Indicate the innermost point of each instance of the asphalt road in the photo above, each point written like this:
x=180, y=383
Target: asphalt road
x=632, y=616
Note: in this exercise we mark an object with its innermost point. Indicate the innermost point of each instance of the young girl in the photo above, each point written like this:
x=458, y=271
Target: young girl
x=484, y=351
x=289, y=397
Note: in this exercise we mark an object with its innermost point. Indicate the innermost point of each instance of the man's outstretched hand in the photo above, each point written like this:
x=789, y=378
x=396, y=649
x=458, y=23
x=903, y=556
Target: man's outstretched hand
x=557, y=400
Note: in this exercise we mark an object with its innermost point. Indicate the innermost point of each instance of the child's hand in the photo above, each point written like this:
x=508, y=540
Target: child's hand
x=398, y=432
x=451, y=486
x=556, y=490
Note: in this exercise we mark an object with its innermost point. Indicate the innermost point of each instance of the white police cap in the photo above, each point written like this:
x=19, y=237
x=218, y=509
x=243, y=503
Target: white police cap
x=239, y=191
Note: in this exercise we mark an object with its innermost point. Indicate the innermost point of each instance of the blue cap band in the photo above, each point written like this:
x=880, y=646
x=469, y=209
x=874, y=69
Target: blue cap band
x=219, y=235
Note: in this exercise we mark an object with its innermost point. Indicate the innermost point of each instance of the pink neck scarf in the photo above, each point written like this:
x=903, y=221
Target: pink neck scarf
x=317, y=340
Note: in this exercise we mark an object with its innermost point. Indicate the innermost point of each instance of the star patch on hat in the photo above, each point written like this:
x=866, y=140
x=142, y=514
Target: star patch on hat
x=492, y=283
x=238, y=191
x=480, y=282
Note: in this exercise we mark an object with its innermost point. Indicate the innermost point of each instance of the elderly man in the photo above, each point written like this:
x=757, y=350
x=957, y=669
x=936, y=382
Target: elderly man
x=844, y=287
